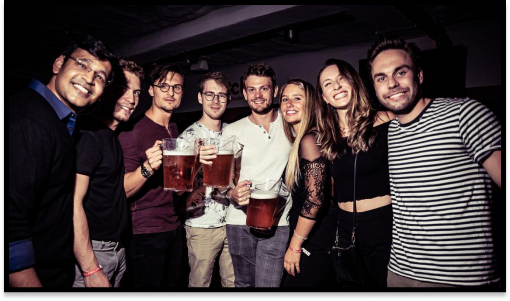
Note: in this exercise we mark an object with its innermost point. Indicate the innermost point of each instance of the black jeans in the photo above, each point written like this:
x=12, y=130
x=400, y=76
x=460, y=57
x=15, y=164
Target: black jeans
x=156, y=258
x=373, y=238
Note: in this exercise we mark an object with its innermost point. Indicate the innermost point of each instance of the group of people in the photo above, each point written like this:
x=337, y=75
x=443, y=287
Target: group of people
x=416, y=177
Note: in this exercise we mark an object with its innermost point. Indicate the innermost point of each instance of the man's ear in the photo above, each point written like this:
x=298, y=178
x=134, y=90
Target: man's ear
x=151, y=91
x=275, y=91
x=420, y=76
x=199, y=98
x=57, y=65
x=245, y=95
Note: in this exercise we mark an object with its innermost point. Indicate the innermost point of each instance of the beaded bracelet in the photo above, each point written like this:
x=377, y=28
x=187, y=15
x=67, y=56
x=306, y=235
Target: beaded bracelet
x=302, y=238
x=294, y=250
x=92, y=272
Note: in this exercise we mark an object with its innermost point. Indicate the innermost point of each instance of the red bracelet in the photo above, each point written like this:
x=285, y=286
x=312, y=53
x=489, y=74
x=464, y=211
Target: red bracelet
x=294, y=250
x=86, y=274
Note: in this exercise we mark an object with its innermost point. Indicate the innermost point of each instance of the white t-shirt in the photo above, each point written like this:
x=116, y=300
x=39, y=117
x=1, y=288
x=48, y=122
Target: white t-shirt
x=265, y=156
x=213, y=213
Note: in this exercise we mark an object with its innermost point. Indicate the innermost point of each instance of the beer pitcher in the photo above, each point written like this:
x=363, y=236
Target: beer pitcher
x=179, y=163
x=219, y=174
x=262, y=206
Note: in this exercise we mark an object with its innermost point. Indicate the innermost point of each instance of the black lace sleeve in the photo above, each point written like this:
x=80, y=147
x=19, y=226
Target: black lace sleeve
x=313, y=171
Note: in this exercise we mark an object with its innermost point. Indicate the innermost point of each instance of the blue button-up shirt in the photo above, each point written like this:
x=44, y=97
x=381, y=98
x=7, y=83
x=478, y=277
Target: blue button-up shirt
x=62, y=111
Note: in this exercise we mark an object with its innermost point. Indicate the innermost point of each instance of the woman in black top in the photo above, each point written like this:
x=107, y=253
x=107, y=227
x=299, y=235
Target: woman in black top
x=306, y=177
x=348, y=128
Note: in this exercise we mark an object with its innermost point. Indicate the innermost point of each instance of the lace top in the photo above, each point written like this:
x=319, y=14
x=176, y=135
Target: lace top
x=313, y=186
x=372, y=174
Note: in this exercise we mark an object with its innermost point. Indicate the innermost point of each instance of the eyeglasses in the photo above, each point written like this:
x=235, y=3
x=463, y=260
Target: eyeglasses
x=209, y=96
x=164, y=87
x=99, y=77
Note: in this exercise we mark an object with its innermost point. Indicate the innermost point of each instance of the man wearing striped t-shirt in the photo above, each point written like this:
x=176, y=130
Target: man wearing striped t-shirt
x=442, y=156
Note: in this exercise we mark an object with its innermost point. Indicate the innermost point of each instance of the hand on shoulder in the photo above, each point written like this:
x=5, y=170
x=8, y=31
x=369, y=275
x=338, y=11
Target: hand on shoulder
x=383, y=117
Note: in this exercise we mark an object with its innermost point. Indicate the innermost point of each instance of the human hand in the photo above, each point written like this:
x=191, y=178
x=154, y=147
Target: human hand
x=241, y=193
x=98, y=279
x=155, y=156
x=207, y=153
x=291, y=262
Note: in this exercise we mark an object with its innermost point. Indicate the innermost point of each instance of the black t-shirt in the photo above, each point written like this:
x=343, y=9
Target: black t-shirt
x=41, y=186
x=99, y=156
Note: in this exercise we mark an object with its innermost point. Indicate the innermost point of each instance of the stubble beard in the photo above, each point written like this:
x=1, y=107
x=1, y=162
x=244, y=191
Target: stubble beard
x=261, y=110
x=407, y=106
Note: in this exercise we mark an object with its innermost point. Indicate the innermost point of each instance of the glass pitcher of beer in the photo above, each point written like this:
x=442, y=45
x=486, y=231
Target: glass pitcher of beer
x=263, y=199
x=218, y=174
x=179, y=156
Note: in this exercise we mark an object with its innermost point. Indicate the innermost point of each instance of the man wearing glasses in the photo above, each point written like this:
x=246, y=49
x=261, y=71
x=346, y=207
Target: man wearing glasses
x=156, y=246
x=42, y=164
x=257, y=256
x=205, y=225
x=100, y=203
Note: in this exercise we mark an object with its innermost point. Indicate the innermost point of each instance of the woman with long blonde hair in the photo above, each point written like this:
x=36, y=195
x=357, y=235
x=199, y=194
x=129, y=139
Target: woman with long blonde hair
x=353, y=137
x=306, y=177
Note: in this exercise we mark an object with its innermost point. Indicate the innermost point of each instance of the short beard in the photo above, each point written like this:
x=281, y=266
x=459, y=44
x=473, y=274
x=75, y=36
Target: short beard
x=262, y=111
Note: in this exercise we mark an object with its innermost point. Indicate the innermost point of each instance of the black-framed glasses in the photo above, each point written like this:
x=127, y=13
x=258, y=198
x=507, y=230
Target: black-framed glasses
x=164, y=87
x=209, y=96
x=99, y=77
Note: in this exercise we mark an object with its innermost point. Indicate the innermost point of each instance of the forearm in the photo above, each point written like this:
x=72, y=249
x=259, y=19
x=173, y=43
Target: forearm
x=82, y=246
x=24, y=278
x=303, y=228
x=134, y=181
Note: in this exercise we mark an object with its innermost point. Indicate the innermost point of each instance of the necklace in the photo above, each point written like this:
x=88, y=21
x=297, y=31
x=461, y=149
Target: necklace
x=345, y=132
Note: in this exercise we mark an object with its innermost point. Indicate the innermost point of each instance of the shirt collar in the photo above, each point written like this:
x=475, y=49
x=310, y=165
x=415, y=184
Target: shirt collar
x=61, y=109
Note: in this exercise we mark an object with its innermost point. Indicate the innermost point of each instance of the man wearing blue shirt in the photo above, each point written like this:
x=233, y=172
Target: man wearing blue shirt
x=42, y=164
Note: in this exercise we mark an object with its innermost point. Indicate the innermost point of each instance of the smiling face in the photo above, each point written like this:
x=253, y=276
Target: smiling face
x=259, y=93
x=129, y=100
x=167, y=101
x=293, y=105
x=336, y=90
x=75, y=85
x=213, y=108
x=396, y=86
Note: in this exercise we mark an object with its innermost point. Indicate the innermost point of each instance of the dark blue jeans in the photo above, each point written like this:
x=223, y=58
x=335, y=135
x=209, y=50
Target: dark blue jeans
x=156, y=258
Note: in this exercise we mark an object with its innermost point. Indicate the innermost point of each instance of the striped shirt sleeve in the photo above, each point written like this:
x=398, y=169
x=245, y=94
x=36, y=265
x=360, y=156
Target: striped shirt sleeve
x=480, y=130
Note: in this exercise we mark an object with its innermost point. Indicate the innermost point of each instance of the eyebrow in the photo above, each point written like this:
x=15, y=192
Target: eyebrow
x=296, y=94
x=261, y=86
x=213, y=92
x=394, y=70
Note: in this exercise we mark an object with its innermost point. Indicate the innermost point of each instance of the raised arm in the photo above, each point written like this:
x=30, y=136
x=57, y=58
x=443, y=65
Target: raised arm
x=134, y=181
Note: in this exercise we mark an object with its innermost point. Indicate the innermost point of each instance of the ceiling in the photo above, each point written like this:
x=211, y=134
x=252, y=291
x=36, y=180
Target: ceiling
x=223, y=34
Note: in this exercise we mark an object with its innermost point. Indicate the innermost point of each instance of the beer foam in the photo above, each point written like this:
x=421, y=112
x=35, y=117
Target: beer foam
x=225, y=152
x=178, y=153
x=264, y=195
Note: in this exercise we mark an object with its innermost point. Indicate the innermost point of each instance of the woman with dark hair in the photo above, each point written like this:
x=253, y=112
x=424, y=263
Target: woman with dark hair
x=306, y=178
x=353, y=137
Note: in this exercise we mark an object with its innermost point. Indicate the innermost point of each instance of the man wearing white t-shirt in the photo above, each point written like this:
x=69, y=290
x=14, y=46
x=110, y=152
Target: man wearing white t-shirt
x=257, y=257
x=205, y=216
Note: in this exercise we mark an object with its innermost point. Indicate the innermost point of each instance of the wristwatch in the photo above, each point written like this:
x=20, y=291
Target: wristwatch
x=145, y=172
x=225, y=193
